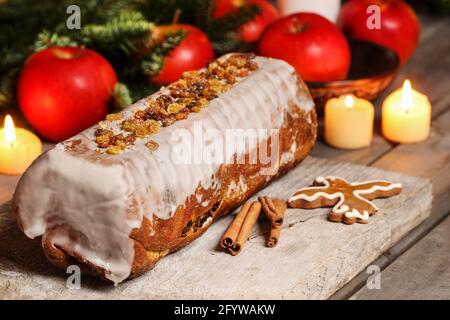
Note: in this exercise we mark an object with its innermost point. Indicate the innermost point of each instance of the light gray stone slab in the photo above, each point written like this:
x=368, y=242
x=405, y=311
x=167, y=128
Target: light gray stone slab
x=314, y=258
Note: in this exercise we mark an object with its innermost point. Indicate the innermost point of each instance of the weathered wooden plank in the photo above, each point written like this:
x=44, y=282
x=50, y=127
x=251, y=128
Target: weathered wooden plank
x=315, y=257
x=429, y=70
x=429, y=159
x=423, y=272
x=363, y=156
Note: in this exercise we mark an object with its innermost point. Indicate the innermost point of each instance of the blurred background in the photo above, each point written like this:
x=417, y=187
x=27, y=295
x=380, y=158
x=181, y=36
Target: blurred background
x=127, y=34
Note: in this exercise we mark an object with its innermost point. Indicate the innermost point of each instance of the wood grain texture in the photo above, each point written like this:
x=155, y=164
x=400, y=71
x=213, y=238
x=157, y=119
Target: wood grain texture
x=429, y=70
x=430, y=159
x=421, y=273
x=314, y=258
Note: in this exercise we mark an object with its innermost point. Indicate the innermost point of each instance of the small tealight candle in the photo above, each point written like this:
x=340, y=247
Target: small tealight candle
x=349, y=122
x=406, y=115
x=18, y=148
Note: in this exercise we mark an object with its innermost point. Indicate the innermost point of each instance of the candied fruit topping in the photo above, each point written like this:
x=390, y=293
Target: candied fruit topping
x=190, y=94
x=114, y=117
x=152, y=145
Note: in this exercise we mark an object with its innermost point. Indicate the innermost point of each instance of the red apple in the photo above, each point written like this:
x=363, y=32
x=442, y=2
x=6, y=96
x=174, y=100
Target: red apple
x=400, y=28
x=64, y=90
x=192, y=53
x=252, y=30
x=309, y=42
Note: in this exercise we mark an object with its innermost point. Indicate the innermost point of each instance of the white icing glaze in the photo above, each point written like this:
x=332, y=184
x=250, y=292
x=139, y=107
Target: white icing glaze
x=82, y=201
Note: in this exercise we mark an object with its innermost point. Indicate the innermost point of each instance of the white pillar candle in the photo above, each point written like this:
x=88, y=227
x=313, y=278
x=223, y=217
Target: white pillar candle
x=349, y=122
x=327, y=8
x=406, y=116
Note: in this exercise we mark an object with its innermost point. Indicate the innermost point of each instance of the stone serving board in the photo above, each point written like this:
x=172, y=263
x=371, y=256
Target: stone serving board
x=314, y=258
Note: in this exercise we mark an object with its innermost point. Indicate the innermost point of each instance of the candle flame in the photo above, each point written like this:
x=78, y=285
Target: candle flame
x=349, y=101
x=407, y=95
x=9, y=131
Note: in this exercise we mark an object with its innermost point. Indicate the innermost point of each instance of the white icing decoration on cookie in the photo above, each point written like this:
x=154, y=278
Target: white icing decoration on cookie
x=340, y=208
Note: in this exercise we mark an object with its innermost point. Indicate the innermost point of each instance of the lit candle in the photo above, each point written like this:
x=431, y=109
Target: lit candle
x=18, y=148
x=326, y=8
x=349, y=122
x=406, y=115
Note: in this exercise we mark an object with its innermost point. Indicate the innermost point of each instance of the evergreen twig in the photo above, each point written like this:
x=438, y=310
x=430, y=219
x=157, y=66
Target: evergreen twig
x=46, y=39
x=153, y=64
x=121, y=30
x=8, y=83
x=121, y=96
x=126, y=33
x=233, y=20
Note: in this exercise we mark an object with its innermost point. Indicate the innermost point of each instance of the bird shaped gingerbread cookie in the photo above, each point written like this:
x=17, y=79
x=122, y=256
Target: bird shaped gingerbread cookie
x=350, y=201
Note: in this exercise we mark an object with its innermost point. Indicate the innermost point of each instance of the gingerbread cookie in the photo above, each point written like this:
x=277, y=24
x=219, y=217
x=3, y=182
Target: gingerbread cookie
x=350, y=201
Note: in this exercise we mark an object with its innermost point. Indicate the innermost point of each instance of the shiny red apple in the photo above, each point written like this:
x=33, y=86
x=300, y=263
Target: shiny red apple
x=309, y=42
x=252, y=30
x=193, y=53
x=64, y=90
x=399, y=25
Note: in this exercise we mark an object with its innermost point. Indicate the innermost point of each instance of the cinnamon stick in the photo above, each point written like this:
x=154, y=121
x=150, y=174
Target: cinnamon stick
x=247, y=226
x=274, y=236
x=232, y=233
x=274, y=209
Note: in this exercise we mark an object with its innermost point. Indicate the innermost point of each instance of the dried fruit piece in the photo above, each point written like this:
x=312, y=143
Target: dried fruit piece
x=196, y=109
x=103, y=141
x=114, y=150
x=174, y=108
x=189, y=94
x=152, y=145
x=129, y=125
x=102, y=132
x=168, y=121
x=152, y=126
x=181, y=115
x=114, y=117
x=140, y=114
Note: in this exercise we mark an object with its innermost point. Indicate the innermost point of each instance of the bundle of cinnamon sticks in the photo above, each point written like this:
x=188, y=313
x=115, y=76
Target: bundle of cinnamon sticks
x=239, y=230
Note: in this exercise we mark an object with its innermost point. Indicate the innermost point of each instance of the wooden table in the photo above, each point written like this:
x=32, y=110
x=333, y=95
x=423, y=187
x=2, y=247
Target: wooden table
x=418, y=266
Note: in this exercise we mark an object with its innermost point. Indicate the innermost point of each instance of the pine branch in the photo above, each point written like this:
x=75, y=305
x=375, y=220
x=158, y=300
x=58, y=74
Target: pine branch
x=232, y=21
x=127, y=33
x=8, y=83
x=121, y=96
x=232, y=44
x=204, y=13
x=109, y=9
x=223, y=32
x=46, y=39
x=163, y=11
x=154, y=63
x=138, y=85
